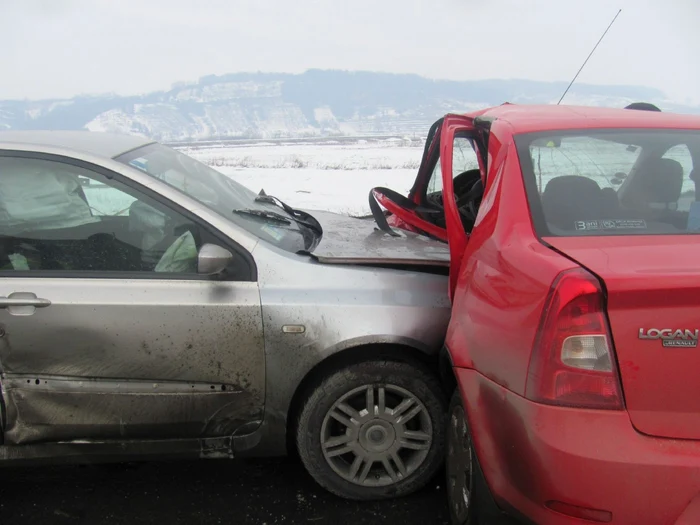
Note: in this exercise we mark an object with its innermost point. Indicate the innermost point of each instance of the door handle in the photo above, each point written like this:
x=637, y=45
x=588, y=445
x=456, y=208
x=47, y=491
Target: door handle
x=23, y=303
x=37, y=303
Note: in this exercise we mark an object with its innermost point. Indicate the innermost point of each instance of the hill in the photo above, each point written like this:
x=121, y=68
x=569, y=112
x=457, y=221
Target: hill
x=312, y=104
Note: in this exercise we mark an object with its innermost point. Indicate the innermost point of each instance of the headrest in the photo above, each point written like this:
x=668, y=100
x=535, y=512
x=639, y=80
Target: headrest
x=609, y=197
x=659, y=181
x=571, y=198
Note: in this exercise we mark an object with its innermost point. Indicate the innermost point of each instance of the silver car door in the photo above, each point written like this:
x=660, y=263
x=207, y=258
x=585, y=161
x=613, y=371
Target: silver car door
x=106, y=328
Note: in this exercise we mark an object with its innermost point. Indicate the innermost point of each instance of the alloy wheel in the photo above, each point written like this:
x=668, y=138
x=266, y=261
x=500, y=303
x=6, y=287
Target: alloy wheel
x=376, y=435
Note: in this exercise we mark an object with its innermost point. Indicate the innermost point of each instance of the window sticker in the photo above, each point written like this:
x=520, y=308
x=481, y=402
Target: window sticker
x=611, y=224
x=275, y=233
x=18, y=261
x=694, y=217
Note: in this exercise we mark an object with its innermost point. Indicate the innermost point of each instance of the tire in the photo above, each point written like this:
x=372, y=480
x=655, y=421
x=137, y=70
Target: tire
x=460, y=462
x=360, y=455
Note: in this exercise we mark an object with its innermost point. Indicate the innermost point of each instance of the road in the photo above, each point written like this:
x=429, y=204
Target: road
x=251, y=492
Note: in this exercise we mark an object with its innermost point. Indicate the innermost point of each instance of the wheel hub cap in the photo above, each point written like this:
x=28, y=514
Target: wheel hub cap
x=376, y=435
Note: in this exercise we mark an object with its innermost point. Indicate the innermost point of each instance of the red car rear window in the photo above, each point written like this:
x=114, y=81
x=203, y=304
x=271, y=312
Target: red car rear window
x=611, y=182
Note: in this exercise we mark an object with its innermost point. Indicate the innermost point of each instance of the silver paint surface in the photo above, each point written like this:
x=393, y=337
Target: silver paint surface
x=349, y=240
x=102, y=144
x=100, y=332
x=126, y=361
x=342, y=308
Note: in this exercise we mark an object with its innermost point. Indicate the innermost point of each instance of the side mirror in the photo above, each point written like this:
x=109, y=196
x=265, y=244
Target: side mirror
x=212, y=259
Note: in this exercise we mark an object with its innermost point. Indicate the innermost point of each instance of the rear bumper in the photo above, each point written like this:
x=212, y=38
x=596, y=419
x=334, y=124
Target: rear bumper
x=532, y=454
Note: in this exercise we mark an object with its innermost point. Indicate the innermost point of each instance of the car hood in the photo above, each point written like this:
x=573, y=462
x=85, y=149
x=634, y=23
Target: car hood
x=350, y=240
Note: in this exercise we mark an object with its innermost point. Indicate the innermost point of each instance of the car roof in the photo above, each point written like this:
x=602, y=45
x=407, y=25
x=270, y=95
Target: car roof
x=100, y=144
x=526, y=118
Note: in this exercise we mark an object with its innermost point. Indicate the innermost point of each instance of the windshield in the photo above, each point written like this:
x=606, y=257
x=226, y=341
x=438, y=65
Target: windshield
x=221, y=194
x=611, y=182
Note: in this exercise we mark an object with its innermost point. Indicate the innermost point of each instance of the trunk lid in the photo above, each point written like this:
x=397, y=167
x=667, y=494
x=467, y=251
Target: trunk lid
x=349, y=240
x=653, y=302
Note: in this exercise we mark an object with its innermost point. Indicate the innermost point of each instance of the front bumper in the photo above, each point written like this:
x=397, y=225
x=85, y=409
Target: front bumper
x=532, y=454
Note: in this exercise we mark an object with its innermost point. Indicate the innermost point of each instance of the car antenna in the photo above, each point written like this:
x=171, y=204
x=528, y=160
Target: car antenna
x=589, y=56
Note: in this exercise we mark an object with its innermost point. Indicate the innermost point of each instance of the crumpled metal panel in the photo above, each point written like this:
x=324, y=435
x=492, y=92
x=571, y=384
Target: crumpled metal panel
x=83, y=451
x=349, y=240
x=120, y=359
x=55, y=409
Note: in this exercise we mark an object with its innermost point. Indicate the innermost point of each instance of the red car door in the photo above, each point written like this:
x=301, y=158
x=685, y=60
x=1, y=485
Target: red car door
x=457, y=128
x=435, y=206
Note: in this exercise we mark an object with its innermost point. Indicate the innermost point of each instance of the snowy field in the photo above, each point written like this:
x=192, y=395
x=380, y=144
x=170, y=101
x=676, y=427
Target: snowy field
x=338, y=175
x=332, y=176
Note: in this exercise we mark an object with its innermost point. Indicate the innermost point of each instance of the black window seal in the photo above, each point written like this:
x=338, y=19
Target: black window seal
x=432, y=162
x=431, y=152
x=483, y=125
x=477, y=143
x=251, y=275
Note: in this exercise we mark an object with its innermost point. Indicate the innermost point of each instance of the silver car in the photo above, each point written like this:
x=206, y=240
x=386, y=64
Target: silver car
x=153, y=307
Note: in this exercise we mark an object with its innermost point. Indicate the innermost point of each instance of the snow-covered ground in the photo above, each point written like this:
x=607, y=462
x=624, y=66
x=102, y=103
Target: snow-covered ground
x=338, y=175
x=333, y=176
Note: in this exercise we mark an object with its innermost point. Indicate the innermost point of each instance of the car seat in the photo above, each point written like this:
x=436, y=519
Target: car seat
x=468, y=191
x=657, y=185
x=610, y=203
x=569, y=199
x=156, y=232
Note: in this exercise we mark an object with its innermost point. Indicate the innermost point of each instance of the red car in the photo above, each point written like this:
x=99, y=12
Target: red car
x=573, y=341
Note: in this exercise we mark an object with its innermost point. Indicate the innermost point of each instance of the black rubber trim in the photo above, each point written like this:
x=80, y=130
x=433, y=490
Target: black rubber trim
x=403, y=201
x=489, y=511
x=483, y=124
x=427, y=164
x=300, y=216
x=379, y=216
x=397, y=199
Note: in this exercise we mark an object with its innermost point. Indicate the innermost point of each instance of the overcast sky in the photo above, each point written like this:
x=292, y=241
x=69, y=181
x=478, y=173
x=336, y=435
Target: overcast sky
x=60, y=48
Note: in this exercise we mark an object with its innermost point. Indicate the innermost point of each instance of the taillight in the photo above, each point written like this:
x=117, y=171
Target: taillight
x=572, y=360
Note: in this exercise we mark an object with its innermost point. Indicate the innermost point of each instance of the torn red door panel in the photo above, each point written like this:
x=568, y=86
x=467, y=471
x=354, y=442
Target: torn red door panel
x=439, y=202
x=457, y=237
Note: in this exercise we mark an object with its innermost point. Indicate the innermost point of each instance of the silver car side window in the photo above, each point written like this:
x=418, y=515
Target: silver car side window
x=60, y=217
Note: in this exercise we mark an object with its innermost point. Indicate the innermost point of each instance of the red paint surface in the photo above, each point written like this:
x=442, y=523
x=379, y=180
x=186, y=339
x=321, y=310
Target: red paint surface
x=531, y=118
x=628, y=462
x=456, y=236
x=402, y=216
x=652, y=282
x=533, y=453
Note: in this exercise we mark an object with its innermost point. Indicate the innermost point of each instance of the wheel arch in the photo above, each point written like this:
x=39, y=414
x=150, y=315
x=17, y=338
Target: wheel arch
x=401, y=352
x=446, y=370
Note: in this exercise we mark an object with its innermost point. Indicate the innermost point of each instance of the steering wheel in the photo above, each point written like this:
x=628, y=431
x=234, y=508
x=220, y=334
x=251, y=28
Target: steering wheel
x=468, y=189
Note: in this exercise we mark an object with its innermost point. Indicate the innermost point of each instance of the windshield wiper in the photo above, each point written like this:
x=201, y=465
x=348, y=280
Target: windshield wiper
x=298, y=216
x=266, y=215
